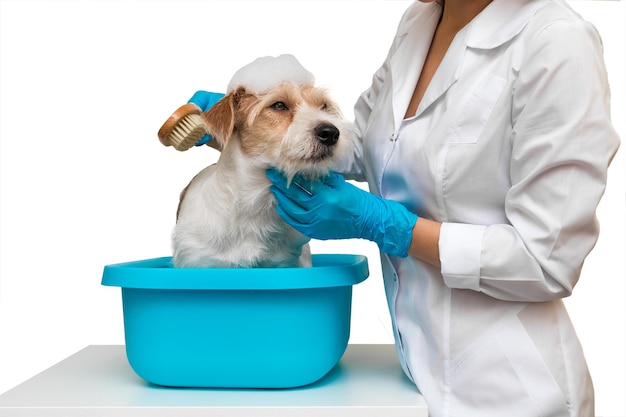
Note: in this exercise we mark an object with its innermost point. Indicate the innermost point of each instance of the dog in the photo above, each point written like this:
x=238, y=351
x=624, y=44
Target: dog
x=273, y=116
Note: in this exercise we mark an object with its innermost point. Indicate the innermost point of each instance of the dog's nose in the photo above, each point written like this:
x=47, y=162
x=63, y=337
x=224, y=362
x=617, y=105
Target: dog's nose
x=327, y=134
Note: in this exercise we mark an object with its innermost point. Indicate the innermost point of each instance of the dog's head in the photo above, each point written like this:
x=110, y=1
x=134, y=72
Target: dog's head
x=292, y=126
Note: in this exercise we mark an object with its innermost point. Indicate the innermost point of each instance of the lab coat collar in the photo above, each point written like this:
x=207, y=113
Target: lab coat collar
x=496, y=24
x=500, y=22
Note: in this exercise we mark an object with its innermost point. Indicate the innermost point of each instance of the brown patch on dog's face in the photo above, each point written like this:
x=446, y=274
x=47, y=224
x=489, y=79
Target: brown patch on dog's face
x=269, y=117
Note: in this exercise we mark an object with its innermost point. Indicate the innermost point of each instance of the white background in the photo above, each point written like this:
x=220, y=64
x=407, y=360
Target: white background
x=85, y=85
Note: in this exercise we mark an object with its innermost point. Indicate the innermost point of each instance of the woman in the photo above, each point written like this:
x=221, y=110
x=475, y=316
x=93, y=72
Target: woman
x=485, y=141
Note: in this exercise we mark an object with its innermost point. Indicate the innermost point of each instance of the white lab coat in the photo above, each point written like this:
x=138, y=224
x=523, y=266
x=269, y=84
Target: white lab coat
x=509, y=149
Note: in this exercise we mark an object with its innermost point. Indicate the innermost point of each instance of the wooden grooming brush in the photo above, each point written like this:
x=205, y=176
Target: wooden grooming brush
x=184, y=128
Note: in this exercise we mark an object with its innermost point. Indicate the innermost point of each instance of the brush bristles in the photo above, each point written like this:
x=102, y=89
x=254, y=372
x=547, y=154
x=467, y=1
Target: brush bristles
x=187, y=132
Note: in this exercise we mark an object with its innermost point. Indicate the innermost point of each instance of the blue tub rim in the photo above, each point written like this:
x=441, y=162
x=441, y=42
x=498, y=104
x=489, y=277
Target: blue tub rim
x=329, y=270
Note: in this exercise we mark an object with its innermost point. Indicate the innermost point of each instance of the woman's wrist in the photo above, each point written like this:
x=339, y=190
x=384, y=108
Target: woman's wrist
x=425, y=241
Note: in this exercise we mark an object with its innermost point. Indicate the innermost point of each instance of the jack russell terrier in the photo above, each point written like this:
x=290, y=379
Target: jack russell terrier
x=273, y=116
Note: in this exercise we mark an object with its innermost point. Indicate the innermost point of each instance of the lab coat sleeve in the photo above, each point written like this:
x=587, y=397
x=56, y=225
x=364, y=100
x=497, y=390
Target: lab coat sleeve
x=562, y=144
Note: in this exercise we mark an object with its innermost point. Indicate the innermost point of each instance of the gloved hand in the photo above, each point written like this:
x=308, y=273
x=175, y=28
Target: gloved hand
x=205, y=100
x=331, y=208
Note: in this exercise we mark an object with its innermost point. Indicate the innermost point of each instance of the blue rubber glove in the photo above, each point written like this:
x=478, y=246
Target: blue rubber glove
x=205, y=100
x=332, y=208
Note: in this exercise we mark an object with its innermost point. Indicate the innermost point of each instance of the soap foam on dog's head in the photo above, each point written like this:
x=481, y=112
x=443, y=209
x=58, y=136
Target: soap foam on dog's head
x=263, y=74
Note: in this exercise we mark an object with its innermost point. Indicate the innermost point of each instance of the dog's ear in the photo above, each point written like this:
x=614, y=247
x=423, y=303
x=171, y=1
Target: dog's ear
x=220, y=119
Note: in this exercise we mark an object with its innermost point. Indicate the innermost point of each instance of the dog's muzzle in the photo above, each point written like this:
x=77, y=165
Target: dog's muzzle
x=327, y=134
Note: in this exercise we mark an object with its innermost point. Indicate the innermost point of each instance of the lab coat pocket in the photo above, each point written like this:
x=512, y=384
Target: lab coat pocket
x=506, y=375
x=475, y=112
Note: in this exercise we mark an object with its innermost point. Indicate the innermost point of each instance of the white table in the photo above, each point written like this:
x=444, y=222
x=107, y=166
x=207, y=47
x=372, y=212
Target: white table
x=97, y=381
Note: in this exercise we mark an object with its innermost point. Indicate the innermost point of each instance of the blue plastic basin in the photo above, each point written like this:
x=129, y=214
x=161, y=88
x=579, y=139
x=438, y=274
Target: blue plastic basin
x=236, y=328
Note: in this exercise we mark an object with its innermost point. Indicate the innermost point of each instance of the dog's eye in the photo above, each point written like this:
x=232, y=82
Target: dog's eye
x=279, y=106
x=324, y=107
